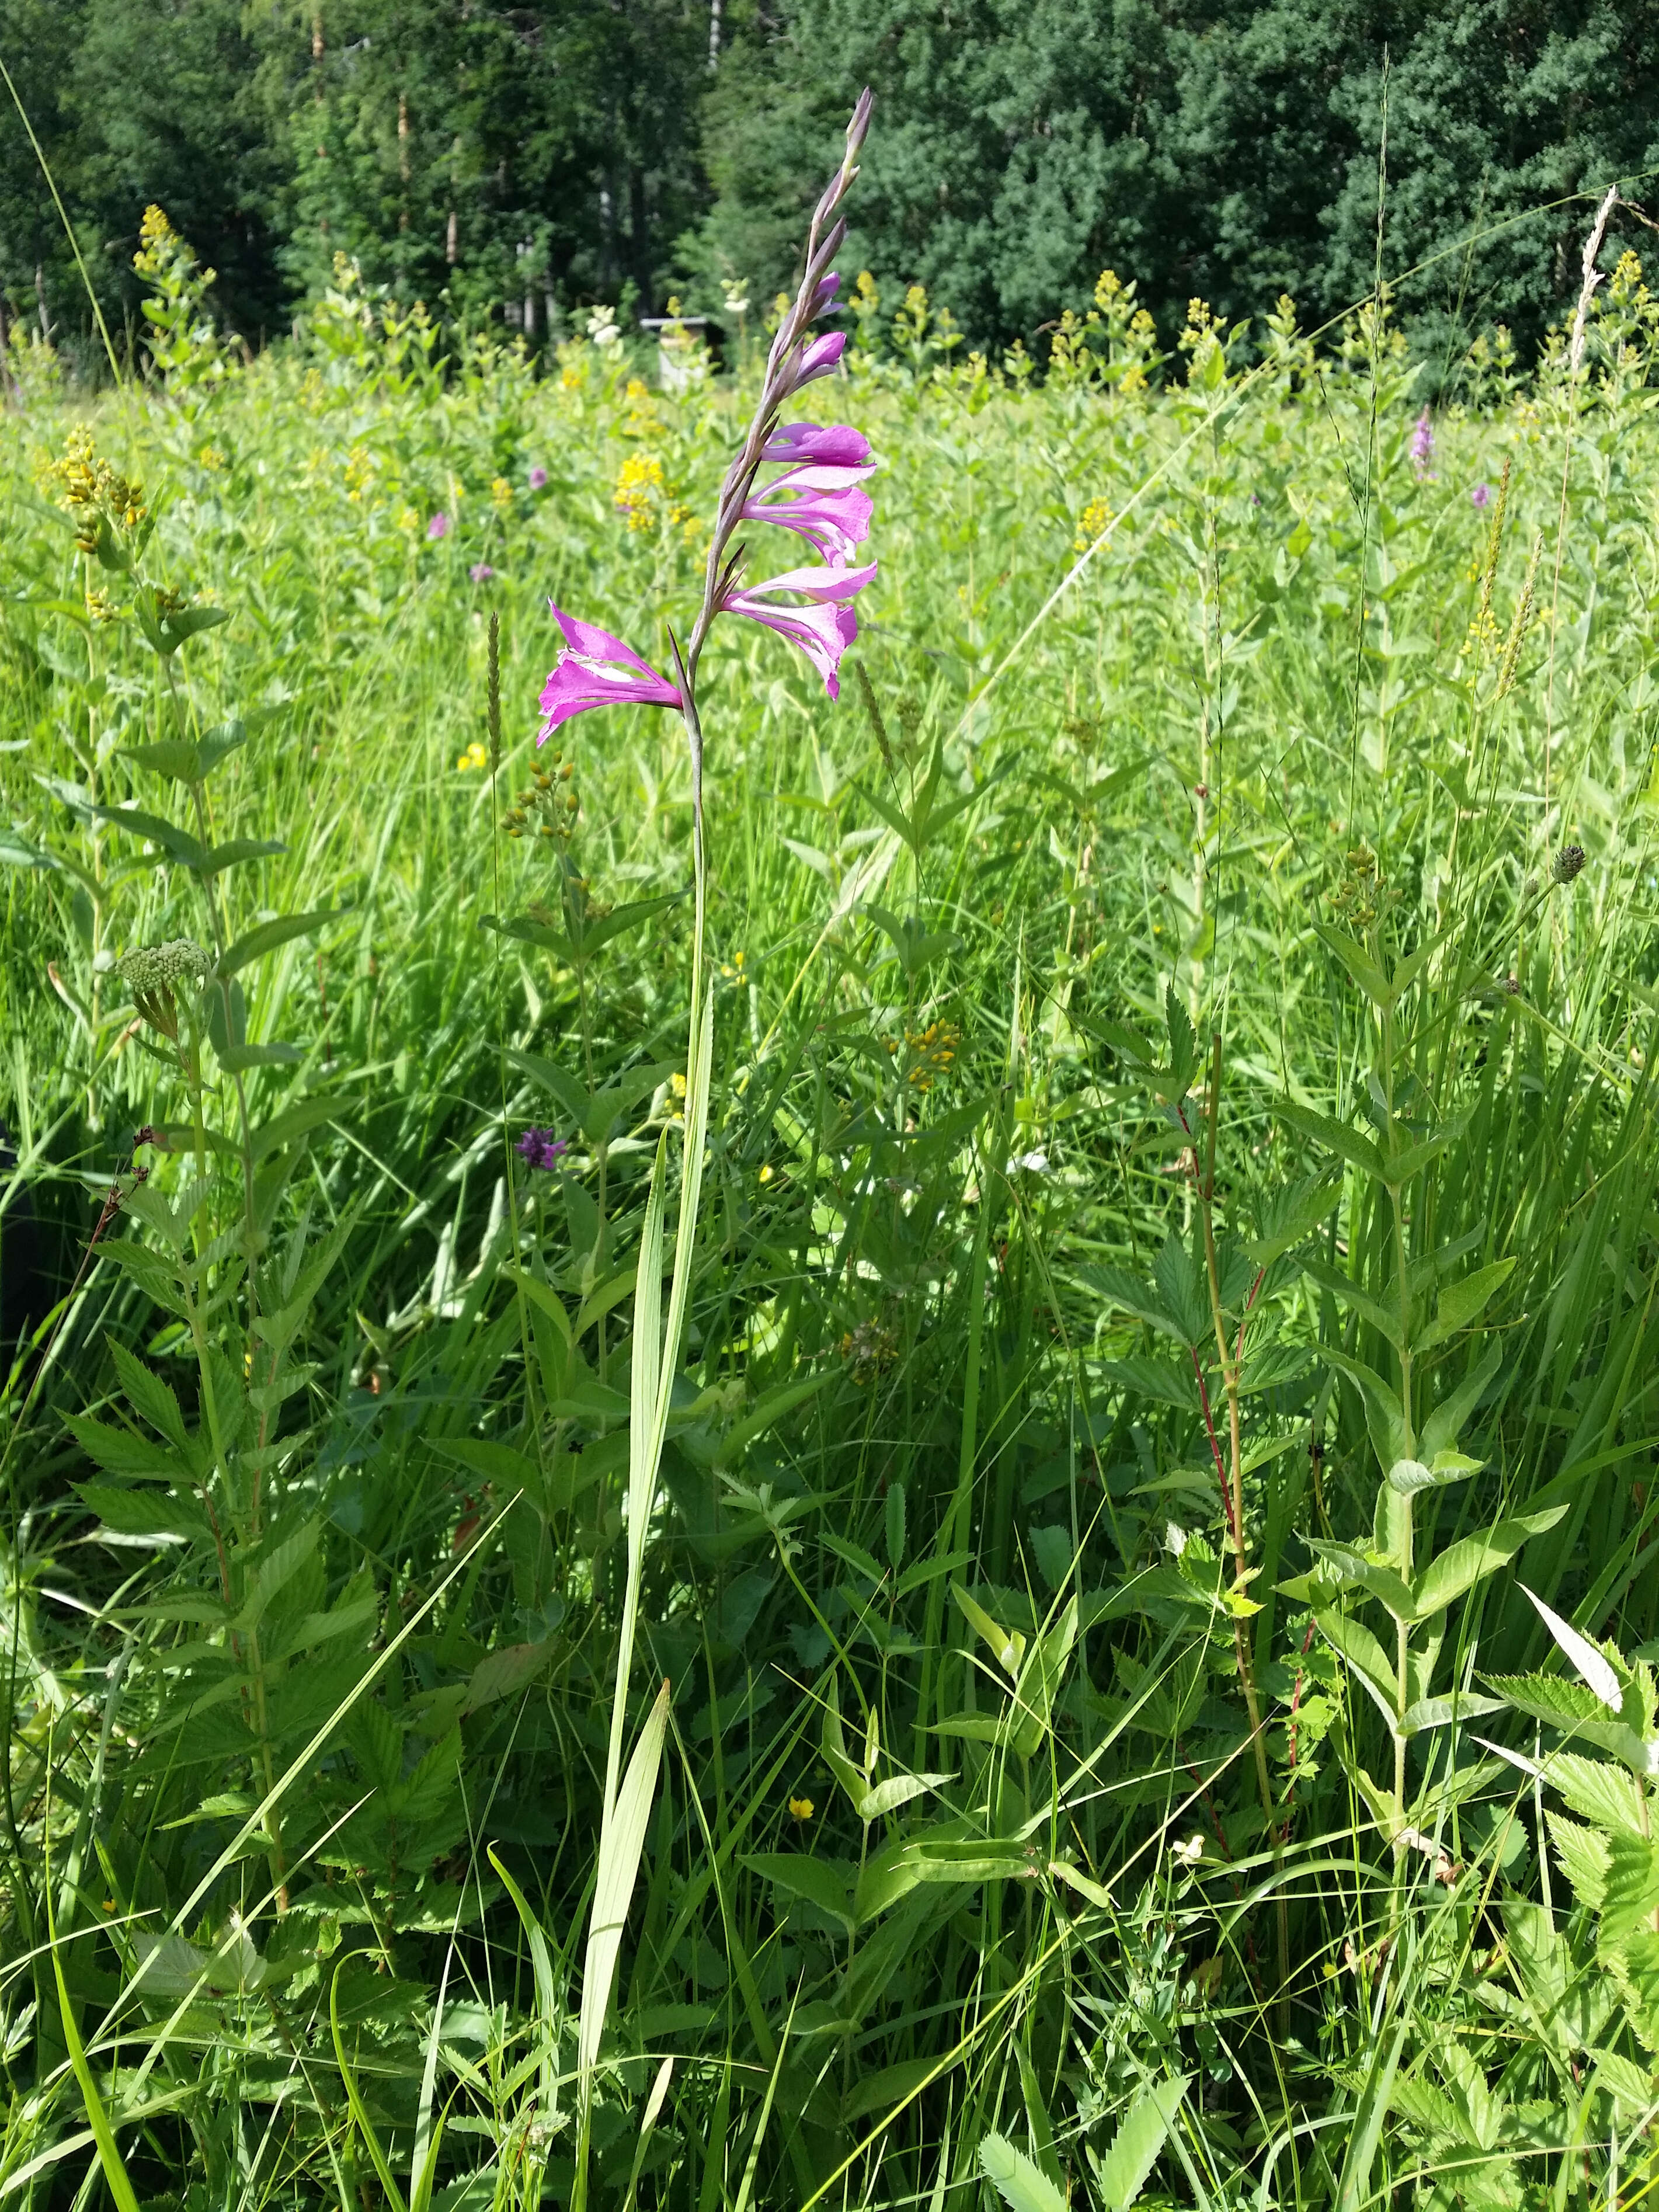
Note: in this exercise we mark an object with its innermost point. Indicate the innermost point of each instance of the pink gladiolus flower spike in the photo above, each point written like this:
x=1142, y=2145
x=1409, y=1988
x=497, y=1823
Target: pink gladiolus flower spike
x=597, y=669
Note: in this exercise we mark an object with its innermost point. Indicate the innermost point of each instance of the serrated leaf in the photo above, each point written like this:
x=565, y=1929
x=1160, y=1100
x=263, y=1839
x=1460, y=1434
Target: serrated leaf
x=143, y=1512
x=1594, y=1668
x=1023, y=2186
x=1598, y=1792
x=1117, y=1287
x=1631, y=1890
x=1585, y=1857
x=1122, y=2174
x=1162, y=1381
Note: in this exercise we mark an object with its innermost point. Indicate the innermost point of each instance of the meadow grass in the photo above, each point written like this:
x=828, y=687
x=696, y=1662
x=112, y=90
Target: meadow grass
x=1174, y=1268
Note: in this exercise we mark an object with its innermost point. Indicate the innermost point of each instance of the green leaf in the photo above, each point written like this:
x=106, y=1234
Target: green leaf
x=1022, y=2186
x=144, y=1512
x=827, y=1883
x=1119, y=1288
x=1335, y=1136
x=1584, y=1858
x=1292, y=1214
x=1385, y=1319
x=1462, y=1302
x=1357, y=962
x=594, y=934
x=1353, y=1570
x=1122, y=2174
x=1472, y=1558
x=1164, y=1382
x=1007, y=1645
x=172, y=840
x=234, y=852
x=1442, y=1427
x=897, y=1789
x=622, y=1841
x=269, y=935
x=1353, y=1641
x=506, y=1671
x=1384, y=1417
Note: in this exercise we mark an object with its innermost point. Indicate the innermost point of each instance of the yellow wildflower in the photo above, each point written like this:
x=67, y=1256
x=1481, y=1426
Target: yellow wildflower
x=1094, y=519
x=638, y=488
x=501, y=493
x=801, y=1808
x=477, y=756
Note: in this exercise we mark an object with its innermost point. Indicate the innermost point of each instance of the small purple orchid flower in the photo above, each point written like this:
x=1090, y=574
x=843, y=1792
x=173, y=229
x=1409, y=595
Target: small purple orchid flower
x=824, y=629
x=1480, y=496
x=439, y=526
x=481, y=571
x=538, y=478
x=597, y=669
x=1423, y=446
x=540, y=1148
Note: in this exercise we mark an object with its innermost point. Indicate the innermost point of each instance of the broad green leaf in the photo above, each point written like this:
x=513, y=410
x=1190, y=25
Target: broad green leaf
x=1357, y=962
x=1335, y=1136
x=1292, y=1214
x=1443, y=1427
x=1007, y=1645
x=1119, y=1288
x=1384, y=1416
x=897, y=1789
x=506, y=1671
x=827, y=1883
x=1384, y=1318
x=1631, y=1891
x=144, y=1512
x=1353, y=1570
x=270, y=935
x=1472, y=1558
x=1355, y=1642
x=1598, y=1792
x=1162, y=1380
x=1462, y=1302
x=1585, y=1857
x=1442, y=1711
x=1594, y=1668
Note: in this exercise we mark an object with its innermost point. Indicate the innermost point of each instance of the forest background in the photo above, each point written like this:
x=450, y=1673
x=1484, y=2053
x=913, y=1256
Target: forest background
x=471, y=153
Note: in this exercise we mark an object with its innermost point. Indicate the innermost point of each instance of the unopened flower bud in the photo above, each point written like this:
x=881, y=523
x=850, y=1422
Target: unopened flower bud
x=1568, y=862
x=158, y=966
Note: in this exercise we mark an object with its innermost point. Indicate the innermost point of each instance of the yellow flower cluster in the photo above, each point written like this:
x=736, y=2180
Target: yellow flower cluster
x=500, y=493
x=477, y=756
x=1092, y=522
x=639, y=489
x=359, y=468
x=93, y=491
x=931, y=1051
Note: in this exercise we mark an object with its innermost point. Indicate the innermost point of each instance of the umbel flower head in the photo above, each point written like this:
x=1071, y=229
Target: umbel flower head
x=151, y=972
x=819, y=495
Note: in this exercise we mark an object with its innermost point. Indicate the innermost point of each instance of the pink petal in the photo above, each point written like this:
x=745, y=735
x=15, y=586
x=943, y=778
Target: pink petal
x=597, y=670
x=823, y=629
x=817, y=359
x=836, y=444
x=825, y=505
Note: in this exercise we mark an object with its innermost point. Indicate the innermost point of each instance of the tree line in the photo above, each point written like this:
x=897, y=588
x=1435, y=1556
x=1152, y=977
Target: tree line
x=526, y=160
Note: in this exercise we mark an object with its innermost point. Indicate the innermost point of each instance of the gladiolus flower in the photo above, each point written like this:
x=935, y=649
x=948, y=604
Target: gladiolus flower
x=824, y=629
x=825, y=505
x=833, y=445
x=597, y=670
x=815, y=361
x=438, y=528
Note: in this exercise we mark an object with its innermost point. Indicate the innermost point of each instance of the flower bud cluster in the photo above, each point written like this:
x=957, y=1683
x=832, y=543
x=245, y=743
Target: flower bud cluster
x=550, y=800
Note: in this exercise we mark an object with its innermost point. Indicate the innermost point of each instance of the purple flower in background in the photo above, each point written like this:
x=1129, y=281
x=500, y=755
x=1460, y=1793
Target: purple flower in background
x=1423, y=446
x=540, y=1148
x=597, y=670
x=537, y=477
x=439, y=526
x=824, y=629
x=481, y=571
x=817, y=360
x=1481, y=496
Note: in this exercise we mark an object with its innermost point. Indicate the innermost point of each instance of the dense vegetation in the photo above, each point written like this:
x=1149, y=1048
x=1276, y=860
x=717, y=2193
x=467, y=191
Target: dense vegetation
x=473, y=152
x=1167, y=1354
